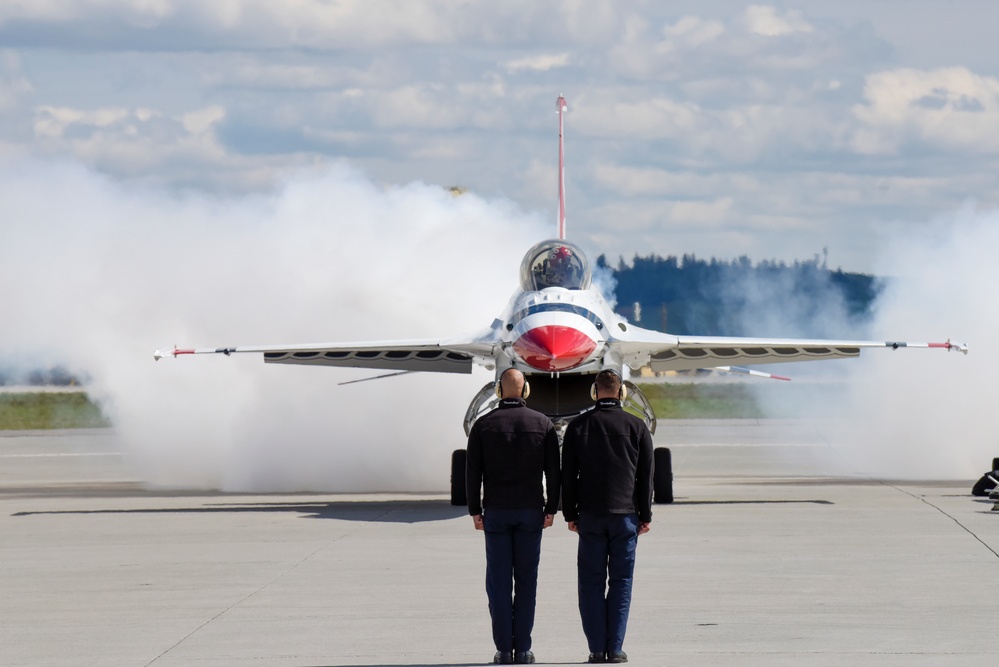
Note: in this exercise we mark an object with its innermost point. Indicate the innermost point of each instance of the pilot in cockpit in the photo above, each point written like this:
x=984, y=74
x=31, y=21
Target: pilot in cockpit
x=560, y=269
x=554, y=263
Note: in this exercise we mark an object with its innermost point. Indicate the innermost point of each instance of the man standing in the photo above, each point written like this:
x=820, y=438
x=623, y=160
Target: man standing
x=509, y=449
x=607, y=499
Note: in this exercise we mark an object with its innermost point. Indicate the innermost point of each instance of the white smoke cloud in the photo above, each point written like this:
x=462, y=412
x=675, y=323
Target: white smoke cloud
x=914, y=413
x=105, y=273
x=925, y=413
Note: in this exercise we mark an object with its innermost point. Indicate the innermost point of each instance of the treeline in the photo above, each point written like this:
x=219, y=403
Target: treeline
x=55, y=376
x=687, y=295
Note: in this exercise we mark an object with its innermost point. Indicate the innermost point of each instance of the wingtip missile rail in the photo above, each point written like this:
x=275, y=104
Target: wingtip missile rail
x=949, y=345
x=176, y=352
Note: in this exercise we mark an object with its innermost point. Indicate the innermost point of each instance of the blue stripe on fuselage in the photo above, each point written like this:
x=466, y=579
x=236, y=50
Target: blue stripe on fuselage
x=556, y=308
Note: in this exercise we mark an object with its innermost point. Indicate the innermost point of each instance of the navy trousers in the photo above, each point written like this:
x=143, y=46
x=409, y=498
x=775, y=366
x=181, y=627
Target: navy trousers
x=513, y=550
x=605, y=563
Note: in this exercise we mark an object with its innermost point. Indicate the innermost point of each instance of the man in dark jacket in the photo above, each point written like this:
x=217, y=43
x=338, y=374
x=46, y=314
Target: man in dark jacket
x=509, y=449
x=607, y=468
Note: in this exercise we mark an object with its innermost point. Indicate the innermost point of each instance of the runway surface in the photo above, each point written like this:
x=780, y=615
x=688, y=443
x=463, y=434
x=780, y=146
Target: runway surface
x=761, y=561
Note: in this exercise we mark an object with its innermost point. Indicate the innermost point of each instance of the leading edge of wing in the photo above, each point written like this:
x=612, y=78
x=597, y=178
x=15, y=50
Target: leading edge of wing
x=665, y=352
x=455, y=355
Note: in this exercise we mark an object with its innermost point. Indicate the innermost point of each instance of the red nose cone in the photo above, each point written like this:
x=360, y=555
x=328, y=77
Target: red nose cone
x=554, y=348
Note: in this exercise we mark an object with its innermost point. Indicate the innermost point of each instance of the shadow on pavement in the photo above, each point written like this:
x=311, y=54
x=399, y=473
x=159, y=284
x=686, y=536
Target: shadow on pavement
x=388, y=511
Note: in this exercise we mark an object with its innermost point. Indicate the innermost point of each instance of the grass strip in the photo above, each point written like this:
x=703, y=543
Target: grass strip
x=702, y=401
x=49, y=410
x=694, y=400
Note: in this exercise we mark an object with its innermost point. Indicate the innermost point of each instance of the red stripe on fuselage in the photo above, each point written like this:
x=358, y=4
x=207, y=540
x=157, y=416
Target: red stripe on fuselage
x=554, y=348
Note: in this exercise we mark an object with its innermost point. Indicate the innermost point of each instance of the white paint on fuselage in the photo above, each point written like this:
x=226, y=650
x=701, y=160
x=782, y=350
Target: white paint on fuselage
x=583, y=310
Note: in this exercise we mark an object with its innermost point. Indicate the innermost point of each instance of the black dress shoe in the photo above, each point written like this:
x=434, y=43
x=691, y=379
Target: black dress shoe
x=524, y=657
x=597, y=658
x=617, y=657
x=503, y=658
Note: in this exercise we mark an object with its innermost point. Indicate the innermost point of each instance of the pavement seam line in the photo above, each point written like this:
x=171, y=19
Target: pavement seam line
x=952, y=518
x=237, y=603
x=921, y=499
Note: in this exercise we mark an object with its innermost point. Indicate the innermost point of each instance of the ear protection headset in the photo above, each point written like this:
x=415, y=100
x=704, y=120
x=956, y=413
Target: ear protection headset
x=523, y=394
x=622, y=395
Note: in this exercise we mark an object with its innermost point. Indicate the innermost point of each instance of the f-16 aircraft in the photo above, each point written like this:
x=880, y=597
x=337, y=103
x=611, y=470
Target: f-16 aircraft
x=560, y=332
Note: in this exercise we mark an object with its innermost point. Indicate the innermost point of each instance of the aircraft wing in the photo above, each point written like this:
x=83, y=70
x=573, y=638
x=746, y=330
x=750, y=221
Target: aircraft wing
x=664, y=352
x=456, y=355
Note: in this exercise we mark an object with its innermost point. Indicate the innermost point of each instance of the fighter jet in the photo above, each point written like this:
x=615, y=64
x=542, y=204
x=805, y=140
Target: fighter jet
x=560, y=332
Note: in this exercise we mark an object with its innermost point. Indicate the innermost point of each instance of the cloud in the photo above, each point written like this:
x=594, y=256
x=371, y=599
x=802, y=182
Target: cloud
x=300, y=23
x=763, y=20
x=14, y=86
x=147, y=144
x=128, y=140
x=608, y=115
x=462, y=93
x=691, y=31
x=949, y=109
x=252, y=73
x=538, y=63
x=69, y=10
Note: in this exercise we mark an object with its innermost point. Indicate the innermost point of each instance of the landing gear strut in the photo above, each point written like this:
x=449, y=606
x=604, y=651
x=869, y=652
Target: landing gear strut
x=459, y=497
x=662, y=480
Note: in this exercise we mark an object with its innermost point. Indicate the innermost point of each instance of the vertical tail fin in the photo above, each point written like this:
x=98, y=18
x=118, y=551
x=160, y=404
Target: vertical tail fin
x=560, y=105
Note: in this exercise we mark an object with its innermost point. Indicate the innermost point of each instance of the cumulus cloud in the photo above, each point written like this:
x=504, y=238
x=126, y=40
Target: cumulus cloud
x=765, y=21
x=949, y=108
x=129, y=140
x=147, y=144
x=59, y=10
x=609, y=115
x=539, y=63
x=300, y=23
x=691, y=31
x=462, y=93
x=252, y=73
x=325, y=26
x=14, y=86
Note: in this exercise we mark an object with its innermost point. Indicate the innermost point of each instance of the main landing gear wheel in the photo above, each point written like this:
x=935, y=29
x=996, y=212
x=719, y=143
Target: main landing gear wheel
x=458, y=495
x=662, y=480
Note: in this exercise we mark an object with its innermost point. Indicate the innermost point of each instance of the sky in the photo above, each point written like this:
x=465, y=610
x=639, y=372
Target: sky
x=775, y=131
x=225, y=173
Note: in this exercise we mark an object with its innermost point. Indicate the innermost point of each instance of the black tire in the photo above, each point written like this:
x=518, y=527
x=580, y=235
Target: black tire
x=662, y=480
x=458, y=495
x=982, y=487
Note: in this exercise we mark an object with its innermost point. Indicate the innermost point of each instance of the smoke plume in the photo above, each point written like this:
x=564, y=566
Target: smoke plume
x=98, y=274
x=914, y=413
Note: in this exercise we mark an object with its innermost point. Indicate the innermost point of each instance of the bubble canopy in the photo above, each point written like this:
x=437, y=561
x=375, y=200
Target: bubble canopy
x=554, y=263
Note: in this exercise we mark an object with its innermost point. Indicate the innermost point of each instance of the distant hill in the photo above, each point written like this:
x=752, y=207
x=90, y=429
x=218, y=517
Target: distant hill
x=55, y=376
x=687, y=295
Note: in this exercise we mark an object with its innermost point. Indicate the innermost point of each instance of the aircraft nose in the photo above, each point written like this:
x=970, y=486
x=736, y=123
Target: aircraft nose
x=554, y=348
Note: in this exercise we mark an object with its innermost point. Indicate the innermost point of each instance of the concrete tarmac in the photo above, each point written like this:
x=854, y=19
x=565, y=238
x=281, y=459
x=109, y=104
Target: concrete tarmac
x=761, y=561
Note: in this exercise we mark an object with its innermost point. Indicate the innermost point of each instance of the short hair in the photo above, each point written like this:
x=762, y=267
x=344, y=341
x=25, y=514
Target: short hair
x=608, y=382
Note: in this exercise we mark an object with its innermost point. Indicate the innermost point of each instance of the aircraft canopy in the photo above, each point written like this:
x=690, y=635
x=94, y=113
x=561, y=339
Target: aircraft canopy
x=554, y=263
